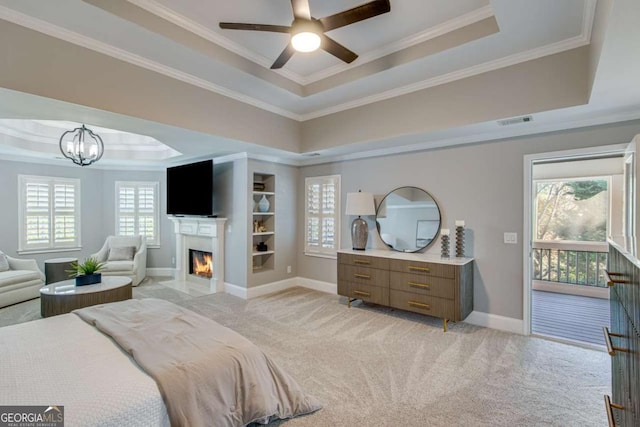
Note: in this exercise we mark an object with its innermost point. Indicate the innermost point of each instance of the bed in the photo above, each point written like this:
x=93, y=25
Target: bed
x=66, y=360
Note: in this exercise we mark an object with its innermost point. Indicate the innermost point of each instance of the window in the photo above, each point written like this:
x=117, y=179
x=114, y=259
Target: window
x=49, y=213
x=322, y=215
x=137, y=210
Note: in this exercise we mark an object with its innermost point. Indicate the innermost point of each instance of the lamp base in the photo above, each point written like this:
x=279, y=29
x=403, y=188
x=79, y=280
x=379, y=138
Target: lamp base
x=359, y=234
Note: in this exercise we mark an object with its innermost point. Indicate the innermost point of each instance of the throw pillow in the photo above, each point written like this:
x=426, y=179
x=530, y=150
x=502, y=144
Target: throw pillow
x=122, y=253
x=4, y=262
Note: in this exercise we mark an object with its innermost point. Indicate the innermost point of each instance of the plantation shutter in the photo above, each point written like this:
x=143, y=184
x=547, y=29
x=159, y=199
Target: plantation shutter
x=126, y=224
x=147, y=211
x=322, y=215
x=49, y=213
x=38, y=229
x=64, y=218
x=137, y=209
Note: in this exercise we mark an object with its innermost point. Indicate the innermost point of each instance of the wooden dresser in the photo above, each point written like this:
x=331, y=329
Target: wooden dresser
x=415, y=282
x=623, y=340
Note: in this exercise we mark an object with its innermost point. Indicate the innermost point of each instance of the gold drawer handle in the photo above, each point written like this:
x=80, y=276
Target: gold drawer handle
x=419, y=285
x=610, y=281
x=610, y=347
x=608, y=405
x=361, y=261
x=419, y=305
x=361, y=276
x=414, y=268
x=364, y=294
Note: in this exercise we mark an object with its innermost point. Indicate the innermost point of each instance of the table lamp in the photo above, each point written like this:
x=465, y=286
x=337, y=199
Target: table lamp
x=360, y=204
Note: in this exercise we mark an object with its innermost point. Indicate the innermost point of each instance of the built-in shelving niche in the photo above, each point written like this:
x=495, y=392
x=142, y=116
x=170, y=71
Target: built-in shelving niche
x=263, y=224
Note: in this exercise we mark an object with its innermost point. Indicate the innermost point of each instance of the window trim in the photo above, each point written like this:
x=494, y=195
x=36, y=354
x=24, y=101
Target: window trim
x=51, y=181
x=156, y=185
x=333, y=253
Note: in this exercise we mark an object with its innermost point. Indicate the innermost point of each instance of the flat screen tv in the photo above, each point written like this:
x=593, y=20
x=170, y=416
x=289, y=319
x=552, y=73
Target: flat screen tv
x=190, y=189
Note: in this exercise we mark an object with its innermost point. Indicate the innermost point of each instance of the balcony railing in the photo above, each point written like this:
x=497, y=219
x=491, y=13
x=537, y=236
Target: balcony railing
x=574, y=263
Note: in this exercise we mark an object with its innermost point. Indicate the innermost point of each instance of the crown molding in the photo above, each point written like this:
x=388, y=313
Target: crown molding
x=65, y=163
x=95, y=45
x=506, y=61
x=206, y=33
x=589, y=15
x=123, y=55
x=530, y=129
x=430, y=33
x=182, y=21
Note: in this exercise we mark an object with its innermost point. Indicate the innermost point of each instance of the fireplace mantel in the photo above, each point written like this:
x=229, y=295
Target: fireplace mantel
x=201, y=231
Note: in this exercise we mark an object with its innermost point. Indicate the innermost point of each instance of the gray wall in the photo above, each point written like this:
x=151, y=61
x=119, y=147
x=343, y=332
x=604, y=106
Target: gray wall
x=97, y=213
x=481, y=184
x=230, y=188
x=286, y=227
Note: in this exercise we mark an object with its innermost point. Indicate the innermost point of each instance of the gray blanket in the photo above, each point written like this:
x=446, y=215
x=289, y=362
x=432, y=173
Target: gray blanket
x=207, y=374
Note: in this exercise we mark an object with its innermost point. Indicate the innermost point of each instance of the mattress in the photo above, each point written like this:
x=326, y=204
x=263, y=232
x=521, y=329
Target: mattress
x=64, y=361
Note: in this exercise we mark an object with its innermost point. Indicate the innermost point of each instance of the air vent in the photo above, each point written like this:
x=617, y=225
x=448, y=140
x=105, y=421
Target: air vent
x=515, y=121
x=311, y=154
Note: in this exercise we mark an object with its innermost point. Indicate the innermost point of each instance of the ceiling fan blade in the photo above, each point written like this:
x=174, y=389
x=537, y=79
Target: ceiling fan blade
x=286, y=55
x=358, y=13
x=255, y=27
x=301, y=9
x=337, y=50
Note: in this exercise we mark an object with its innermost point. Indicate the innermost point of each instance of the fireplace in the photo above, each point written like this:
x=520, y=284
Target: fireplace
x=196, y=237
x=201, y=263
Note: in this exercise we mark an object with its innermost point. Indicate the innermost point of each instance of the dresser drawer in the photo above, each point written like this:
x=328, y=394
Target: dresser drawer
x=423, y=268
x=422, y=284
x=368, y=293
x=363, y=261
x=364, y=275
x=432, y=306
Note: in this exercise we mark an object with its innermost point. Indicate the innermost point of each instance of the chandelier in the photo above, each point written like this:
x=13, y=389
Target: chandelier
x=81, y=146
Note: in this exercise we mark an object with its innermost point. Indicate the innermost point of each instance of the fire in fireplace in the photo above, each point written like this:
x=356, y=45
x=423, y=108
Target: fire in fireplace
x=201, y=263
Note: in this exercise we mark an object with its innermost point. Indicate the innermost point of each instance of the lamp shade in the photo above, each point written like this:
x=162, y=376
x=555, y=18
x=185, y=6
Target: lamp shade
x=360, y=204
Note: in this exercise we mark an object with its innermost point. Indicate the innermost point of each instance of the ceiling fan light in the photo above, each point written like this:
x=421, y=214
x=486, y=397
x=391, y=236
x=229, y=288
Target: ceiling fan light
x=305, y=41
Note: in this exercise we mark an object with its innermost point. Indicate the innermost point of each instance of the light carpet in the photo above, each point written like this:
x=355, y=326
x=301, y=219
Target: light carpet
x=376, y=366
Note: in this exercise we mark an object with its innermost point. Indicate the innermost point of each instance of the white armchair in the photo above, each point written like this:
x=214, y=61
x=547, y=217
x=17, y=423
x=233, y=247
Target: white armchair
x=21, y=282
x=116, y=265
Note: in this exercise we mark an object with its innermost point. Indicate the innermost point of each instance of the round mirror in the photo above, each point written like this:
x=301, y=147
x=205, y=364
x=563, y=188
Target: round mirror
x=408, y=219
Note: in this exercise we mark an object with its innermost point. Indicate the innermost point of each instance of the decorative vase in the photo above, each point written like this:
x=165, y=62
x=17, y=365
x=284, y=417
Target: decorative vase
x=460, y=239
x=88, y=279
x=253, y=209
x=444, y=240
x=263, y=204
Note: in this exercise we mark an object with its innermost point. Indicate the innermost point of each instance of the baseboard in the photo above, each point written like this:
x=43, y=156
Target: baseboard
x=493, y=321
x=281, y=285
x=161, y=272
x=235, y=290
x=318, y=285
x=269, y=288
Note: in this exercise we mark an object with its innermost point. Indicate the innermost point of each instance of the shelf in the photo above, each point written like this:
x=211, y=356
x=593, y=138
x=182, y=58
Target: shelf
x=264, y=233
x=264, y=193
x=264, y=213
x=263, y=253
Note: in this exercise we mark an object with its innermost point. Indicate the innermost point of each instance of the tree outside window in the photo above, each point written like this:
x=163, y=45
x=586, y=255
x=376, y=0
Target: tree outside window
x=572, y=210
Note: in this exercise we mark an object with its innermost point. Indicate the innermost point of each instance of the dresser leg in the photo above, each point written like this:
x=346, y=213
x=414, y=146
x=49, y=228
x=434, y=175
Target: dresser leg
x=444, y=324
x=348, y=302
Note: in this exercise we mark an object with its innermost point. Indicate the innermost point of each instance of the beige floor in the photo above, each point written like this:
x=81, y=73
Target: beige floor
x=373, y=366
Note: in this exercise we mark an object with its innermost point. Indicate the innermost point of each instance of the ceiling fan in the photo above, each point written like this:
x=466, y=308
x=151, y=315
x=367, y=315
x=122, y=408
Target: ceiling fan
x=308, y=33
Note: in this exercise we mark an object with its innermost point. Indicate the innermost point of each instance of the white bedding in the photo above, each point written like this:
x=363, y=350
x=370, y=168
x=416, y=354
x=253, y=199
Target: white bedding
x=64, y=361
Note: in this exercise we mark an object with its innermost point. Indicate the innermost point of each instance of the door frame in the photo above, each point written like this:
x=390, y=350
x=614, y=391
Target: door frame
x=529, y=161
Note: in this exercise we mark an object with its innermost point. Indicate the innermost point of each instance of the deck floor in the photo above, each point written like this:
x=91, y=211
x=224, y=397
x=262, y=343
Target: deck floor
x=570, y=317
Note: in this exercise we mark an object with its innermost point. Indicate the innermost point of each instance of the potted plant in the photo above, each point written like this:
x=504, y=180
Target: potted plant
x=86, y=273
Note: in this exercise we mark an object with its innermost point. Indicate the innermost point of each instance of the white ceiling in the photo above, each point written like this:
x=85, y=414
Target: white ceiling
x=236, y=63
